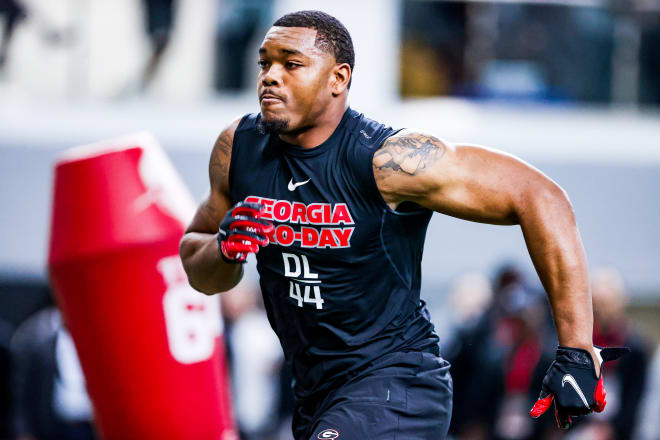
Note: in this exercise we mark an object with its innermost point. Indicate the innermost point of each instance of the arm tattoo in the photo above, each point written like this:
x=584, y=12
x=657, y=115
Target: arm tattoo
x=409, y=154
x=219, y=163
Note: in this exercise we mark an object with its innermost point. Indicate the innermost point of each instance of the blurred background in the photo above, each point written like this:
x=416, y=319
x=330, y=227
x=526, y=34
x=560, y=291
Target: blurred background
x=571, y=86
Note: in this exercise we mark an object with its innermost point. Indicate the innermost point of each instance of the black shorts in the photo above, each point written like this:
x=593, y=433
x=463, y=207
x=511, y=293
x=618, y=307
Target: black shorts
x=404, y=396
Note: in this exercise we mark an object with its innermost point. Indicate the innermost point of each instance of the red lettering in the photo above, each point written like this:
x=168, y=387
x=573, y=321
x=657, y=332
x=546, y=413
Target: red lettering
x=343, y=235
x=310, y=237
x=341, y=215
x=271, y=236
x=299, y=213
x=284, y=235
x=282, y=210
x=327, y=239
x=326, y=213
x=315, y=213
x=268, y=208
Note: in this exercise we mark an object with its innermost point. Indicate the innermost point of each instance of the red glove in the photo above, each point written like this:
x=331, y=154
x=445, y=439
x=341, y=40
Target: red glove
x=242, y=231
x=572, y=383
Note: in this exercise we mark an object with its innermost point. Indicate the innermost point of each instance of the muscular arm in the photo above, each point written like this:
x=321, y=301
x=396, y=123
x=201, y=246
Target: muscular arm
x=206, y=270
x=485, y=185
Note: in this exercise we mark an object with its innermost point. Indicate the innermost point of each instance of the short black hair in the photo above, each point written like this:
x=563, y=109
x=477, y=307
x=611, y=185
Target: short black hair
x=331, y=35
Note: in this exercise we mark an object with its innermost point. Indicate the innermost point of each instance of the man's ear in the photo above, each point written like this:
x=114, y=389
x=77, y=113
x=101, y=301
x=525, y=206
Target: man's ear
x=341, y=76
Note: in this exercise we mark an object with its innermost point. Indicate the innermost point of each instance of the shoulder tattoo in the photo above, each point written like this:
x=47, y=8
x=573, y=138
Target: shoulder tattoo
x=219, y=162
x=408, y=154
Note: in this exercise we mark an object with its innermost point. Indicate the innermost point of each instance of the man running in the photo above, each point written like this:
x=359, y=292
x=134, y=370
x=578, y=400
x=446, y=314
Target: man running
x=337, y=206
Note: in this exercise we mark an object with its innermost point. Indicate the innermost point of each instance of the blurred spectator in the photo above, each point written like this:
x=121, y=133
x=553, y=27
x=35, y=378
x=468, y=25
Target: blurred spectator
x=625, y=379
x=525, y=335
x=50, y=400
x=256, y=358
x=20, y=297
x=159, y=15
x=14, y=13
x=6, y=331
x=495, y=353
x=238, y=25
x=648, y=427
x=474, y=361
x=469, y=296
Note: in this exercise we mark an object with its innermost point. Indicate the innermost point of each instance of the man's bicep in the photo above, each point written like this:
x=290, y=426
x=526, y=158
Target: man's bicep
x=477, y=184
x=465, y=181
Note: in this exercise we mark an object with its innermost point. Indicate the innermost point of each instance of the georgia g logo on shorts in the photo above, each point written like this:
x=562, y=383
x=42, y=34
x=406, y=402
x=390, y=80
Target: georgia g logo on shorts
x=328, y=434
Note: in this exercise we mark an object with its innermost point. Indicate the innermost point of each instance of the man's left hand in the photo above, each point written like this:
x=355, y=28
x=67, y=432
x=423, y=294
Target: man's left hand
x=571, y=382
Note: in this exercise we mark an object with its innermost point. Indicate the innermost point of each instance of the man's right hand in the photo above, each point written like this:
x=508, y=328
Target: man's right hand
x=242, y=231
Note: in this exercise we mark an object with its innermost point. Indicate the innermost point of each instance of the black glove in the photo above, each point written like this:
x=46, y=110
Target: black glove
x=242, y=231
x=572, y=383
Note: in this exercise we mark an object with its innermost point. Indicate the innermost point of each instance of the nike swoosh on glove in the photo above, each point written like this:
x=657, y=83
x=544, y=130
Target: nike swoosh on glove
x=572, y=384
x=242, y=232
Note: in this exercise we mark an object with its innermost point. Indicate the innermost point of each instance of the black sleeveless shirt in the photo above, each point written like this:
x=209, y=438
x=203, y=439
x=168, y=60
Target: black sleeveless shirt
x=341, y=276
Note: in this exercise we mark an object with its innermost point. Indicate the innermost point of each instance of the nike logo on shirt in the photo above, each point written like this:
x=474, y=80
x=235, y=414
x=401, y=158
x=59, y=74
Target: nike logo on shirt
x=293, y=186
x=571, y=380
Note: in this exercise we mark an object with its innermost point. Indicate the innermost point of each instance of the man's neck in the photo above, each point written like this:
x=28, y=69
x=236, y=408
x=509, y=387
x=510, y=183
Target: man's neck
x=322, y=129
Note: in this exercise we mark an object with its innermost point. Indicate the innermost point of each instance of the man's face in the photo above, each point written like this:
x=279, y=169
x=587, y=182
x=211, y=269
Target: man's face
x=294, y=83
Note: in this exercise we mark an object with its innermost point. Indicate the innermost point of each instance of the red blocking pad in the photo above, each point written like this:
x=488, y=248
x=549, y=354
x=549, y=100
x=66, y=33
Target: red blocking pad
x=149, y=345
